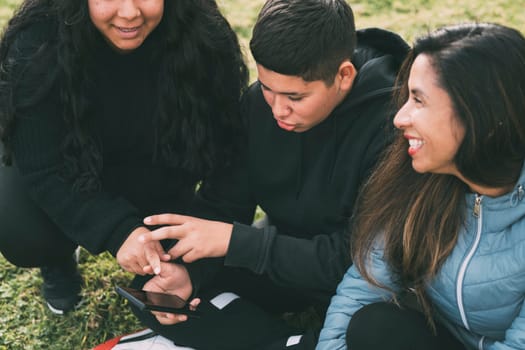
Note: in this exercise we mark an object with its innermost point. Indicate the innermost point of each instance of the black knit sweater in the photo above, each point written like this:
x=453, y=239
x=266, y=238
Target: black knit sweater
x=123, y=98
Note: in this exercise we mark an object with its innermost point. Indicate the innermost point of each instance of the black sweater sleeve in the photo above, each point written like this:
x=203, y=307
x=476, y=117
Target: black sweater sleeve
x=98, y=221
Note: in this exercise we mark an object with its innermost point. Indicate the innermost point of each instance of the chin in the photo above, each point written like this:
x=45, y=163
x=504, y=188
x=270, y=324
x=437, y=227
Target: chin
x=419, y=169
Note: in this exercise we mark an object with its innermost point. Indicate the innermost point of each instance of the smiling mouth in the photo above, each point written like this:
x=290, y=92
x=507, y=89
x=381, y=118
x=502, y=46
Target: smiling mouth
x=414, y=145
x=128, y=30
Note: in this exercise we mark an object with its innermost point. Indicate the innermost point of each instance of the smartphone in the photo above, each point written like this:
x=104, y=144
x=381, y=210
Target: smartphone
x=154, y=301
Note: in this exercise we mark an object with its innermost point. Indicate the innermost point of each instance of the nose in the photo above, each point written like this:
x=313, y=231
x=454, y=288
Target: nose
x=128, y=9
x=402, y=119
x=280, y=107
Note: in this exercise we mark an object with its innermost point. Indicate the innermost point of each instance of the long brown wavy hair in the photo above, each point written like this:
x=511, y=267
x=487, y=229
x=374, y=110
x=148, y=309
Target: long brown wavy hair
x=418, y=216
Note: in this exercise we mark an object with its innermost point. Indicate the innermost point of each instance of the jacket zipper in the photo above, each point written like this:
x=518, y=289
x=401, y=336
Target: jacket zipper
x=477, y=206
x=477, y=212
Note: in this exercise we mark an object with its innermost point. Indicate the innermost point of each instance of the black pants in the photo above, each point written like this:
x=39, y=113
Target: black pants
x=28, y=238
x=251, y=322
x=386, y=326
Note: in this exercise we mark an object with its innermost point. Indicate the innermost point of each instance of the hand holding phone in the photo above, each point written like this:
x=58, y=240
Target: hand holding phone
x=154, y=301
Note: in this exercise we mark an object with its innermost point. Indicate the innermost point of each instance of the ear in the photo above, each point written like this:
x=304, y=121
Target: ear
x=346, y=75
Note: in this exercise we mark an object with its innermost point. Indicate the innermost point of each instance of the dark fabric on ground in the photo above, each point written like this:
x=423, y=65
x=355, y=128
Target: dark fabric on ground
x=241, y=325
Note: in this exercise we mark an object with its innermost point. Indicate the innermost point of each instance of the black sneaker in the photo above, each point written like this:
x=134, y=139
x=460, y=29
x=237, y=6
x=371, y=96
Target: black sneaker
x=62, y=286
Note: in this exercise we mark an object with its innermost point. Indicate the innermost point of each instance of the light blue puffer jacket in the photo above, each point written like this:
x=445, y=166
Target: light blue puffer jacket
x=478, y=293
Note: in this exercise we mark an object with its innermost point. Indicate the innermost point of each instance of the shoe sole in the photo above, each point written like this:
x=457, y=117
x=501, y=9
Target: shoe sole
x=55, y=311
x=62, y=312
x=76, y=255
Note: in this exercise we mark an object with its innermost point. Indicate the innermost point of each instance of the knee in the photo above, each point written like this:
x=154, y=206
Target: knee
x=372, y=327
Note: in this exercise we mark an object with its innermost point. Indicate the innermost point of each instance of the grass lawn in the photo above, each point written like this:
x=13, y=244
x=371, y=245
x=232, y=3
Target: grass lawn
x=25, y=323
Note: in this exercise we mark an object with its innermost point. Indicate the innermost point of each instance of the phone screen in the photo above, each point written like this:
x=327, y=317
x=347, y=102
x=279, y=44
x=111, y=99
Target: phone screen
x=154, y=301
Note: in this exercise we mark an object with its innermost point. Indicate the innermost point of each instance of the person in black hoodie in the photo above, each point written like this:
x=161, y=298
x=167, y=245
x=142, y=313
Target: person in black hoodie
x=109, y=111
x=318, y=117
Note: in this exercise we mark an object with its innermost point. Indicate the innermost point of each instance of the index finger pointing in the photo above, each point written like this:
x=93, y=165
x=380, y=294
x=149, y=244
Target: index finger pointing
x=152, y=256
x=166, y=219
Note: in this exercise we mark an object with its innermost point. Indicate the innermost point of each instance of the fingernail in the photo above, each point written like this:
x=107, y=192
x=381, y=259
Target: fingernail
x=147, y=219
x=157, y=270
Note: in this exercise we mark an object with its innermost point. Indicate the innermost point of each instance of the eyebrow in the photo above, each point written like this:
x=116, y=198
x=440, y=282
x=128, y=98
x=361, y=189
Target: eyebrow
x=287, y=93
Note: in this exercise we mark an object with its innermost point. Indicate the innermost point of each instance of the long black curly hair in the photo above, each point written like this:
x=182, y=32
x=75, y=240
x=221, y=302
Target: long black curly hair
x=201, y=77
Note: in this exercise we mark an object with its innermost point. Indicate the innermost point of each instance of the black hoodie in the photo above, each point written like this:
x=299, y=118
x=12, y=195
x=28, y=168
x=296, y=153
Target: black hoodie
x=307, y=183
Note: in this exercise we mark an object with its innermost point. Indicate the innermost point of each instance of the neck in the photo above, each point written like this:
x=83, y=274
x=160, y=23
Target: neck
x=485, y=190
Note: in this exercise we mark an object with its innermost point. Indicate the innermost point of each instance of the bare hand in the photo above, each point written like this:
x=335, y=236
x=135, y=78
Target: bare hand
x=197, y=238
x=134, y=255
x=166, y=318
x=173, y=279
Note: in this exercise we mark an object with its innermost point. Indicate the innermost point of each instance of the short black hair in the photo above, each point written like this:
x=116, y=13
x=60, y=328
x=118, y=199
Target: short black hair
x=306, y=38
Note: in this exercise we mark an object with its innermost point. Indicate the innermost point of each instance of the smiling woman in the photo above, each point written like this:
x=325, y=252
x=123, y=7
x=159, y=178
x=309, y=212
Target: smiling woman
x=170, y=72
x=448, y=235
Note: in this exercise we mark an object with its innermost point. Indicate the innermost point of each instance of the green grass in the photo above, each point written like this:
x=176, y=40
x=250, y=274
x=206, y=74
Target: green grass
x=25, y=323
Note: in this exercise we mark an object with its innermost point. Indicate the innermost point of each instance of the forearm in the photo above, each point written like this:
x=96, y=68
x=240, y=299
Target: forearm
x=315, y=265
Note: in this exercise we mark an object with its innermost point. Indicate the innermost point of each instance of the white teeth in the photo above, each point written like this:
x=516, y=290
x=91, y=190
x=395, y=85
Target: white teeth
x=414, y=143
x=127, y=30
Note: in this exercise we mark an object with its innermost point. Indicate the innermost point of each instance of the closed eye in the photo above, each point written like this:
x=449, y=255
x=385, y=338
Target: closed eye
x=417, y=96
x=292, y=96
x=295, y=98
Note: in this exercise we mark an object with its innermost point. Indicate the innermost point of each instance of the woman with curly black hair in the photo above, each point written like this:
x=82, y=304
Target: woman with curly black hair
x=110, y=111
